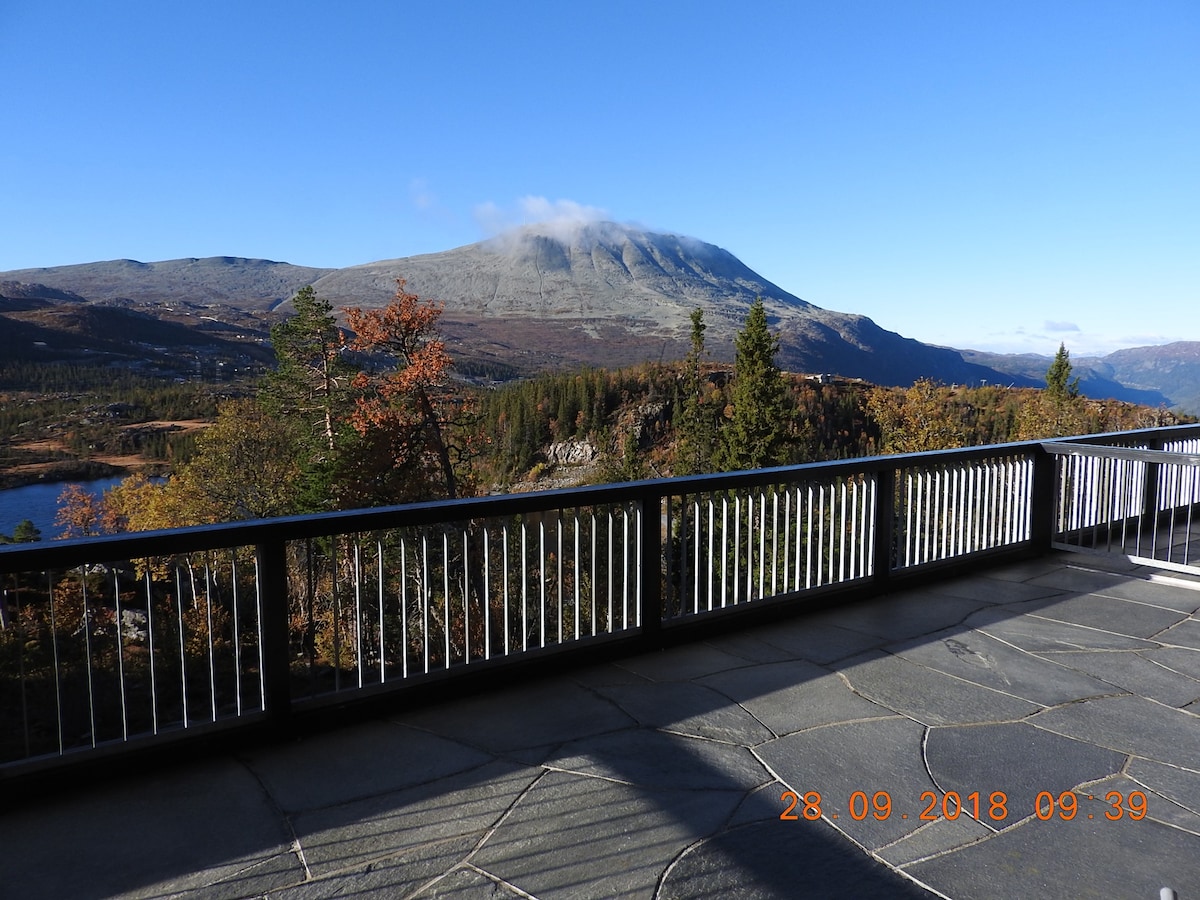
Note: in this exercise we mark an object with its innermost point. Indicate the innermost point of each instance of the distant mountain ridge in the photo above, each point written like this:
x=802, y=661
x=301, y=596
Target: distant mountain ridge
x=598, y=294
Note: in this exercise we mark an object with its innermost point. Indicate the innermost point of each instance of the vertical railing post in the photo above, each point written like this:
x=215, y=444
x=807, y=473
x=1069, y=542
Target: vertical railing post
x=1150, y=488
x=273, y=587
x=650, y=558
x=1043, y=497
x=884, y=526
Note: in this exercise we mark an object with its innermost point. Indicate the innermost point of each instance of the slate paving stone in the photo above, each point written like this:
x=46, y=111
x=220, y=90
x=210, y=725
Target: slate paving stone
x=765, y=861
x=986, y=661
x=395, y=876
x=1127, y=670
x=1079, y=859
x=868, y=756
x=939, y=836
x=577, y=836
x=793, y=696
x=359, y=761
x=658, y=760
x=993, y=590
x=1159, y=591
x=817, y=642
x=1034, y=633
x=1015, y=759
x=1126, y=617
x=1185, y=634
x=528, y=716
x=1177, y=785
x=355, y=834
x=1129, y=725
x=688, y=708
x=134, y=840
x=751, y=648
x=683, y=663
x=468, y=884
x=1177, y=659
x=929, y=696
x=1120, y=796
x=900, y=616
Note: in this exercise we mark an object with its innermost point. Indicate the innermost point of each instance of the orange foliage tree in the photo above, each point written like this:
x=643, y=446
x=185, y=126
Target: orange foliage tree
x=406, y=414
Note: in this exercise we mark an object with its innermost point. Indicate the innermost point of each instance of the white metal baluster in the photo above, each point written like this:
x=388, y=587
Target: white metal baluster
x=446, y=595
x=121, y=657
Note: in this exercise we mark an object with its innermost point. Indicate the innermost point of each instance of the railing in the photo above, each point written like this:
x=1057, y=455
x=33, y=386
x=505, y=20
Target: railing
x=123, y=642
x=1140, y=500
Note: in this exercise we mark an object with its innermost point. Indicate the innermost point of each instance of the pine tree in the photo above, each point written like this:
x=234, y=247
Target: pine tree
x=310, y=388
x=756, y=435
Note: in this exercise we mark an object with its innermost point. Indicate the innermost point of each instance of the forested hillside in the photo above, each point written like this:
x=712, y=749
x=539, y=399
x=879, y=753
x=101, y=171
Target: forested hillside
x=377, y=414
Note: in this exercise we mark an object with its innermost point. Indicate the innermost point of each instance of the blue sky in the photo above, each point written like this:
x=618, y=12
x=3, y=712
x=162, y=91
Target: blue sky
x=992, y=175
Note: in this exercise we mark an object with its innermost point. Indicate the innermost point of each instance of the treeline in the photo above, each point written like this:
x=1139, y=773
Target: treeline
x=378, y=416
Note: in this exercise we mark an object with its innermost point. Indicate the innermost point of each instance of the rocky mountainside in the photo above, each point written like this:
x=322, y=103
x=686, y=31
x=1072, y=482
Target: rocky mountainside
x=250, y=284
x=596, y=294
x=605, y=294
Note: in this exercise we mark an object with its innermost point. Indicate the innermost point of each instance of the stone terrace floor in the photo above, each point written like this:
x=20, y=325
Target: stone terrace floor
x=661, y=775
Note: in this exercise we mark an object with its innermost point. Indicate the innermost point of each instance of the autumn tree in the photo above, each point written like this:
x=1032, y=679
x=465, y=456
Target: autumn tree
x=916, y=420
x=406, y=413
x=756, y=434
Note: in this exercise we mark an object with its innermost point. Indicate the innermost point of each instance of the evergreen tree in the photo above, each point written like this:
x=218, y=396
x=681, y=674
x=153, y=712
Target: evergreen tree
x=1059, y=385
x=696, y=421
x=756, y=435
x=310, y=388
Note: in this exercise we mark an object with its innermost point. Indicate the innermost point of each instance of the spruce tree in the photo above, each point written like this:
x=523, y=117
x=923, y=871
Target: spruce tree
x=696, y=421
x=756, y=435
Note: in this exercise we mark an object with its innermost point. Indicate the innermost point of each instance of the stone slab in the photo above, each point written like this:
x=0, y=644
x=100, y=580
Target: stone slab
x=688, y=708
x=1129, y=725
x=818, y=642
x=395, y=824
x=683, y=663
x=654, y=759
x=1080, y=858
x=793, y=696
x=1015, y=759
x=784, y=860
x=993, y=590
x=1175, y=784
x=396, y=876
x=576, y=836
x=209, y=828
x=1185, y=634
x=1128, y=670
x=357, y=761
x=1036, y=633
x=536, y=714
x=983, y=660
x=900, y=616
x=934, y=838
x=868, y=756
x=1126, y=617
x=929, y=696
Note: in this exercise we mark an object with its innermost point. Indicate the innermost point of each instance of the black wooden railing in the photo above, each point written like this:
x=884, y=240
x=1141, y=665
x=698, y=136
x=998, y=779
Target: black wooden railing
x=115, y=644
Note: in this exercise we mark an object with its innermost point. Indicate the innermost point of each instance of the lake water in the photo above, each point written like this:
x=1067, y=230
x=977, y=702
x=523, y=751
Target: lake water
x=39, y=504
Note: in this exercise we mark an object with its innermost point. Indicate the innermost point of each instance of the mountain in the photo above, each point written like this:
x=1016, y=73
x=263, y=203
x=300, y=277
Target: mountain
x=250, y=284
x=544, y=297
x=1164, y=375
x=607, y=294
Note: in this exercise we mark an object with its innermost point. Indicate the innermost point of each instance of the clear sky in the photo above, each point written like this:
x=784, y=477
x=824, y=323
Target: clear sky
x=991, y=174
